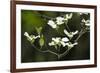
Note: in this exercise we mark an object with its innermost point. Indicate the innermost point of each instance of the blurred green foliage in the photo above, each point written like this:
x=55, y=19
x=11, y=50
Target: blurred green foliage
x=31, y=19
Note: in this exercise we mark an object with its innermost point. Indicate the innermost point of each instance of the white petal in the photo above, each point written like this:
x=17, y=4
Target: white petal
x=66, y=32
x=59, y=20
x=70, y=35
x=56, y=40
x=70, y=45
x=74, y=33
x=51, y=44
x=87, y=24
x=26, y=34
x=63, y=43
x=65, y=39
x=87, y=21
x=68, y=16
x=52, y=24
x=75, y=43
x=83, y=20
x=35, y=37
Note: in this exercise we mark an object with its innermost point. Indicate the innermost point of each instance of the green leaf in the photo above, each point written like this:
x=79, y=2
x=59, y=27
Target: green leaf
x=41, y=41
x=39, y=30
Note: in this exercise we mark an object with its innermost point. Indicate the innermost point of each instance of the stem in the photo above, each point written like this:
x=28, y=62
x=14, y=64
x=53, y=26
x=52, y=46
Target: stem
x=45, y=51
x=59, y=32
x=80, y=34
x=67, y=26
x=39, y=49
x=58, y=52
x=65, y=53
x=52, y=52
x=44, y=16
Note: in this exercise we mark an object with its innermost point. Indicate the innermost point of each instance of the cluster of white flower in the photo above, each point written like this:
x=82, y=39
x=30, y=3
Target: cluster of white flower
x=87, y=22
x=62, y=41
x=59, y=20
x=31, y=37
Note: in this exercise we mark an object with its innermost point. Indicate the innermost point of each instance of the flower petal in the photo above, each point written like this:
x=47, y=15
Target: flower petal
x=59, y=20
x=70, y=35
x=26, y=34
x=51, y=44
x=65, y=39
x=52, y=24
x=74, y=33
x=68, y=16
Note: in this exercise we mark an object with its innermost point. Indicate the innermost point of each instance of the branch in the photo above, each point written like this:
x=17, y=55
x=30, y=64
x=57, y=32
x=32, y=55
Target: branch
x=44, y=51
x=65, y=53
x=67, y=26
x=45, y=16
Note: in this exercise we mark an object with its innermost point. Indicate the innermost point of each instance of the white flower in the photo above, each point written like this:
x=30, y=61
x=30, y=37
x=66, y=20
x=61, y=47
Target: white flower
x=31, y=37
x=37, y=37
x=56, y=40
x=63, y=43
x=52, y=24
x=59, y=20
x=51, y=43
x=65, y=39
x=74, y=33
x=70, y=34
x=87, y=22
x=70, y=45
x=26, y=34
x=68, y=16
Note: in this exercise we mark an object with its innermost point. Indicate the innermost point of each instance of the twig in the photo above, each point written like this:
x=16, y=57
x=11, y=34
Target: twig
x=45, y=50
x=65, y=53
x=45, y=16
x=67, y=26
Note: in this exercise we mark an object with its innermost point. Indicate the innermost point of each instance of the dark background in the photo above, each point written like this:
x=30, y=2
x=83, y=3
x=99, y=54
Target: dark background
x=31, y=19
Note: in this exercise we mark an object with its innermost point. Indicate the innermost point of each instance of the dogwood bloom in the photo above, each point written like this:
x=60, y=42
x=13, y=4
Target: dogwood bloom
x=63, y=43
x=31, y=37
x=52, y=24
x=55, y=41
x=87, y=22
x=68, y=16
x=70, y=34
x=52, y=43
x=70, y=45
x=65, y=39
x=59, y=20
x=26, y=34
